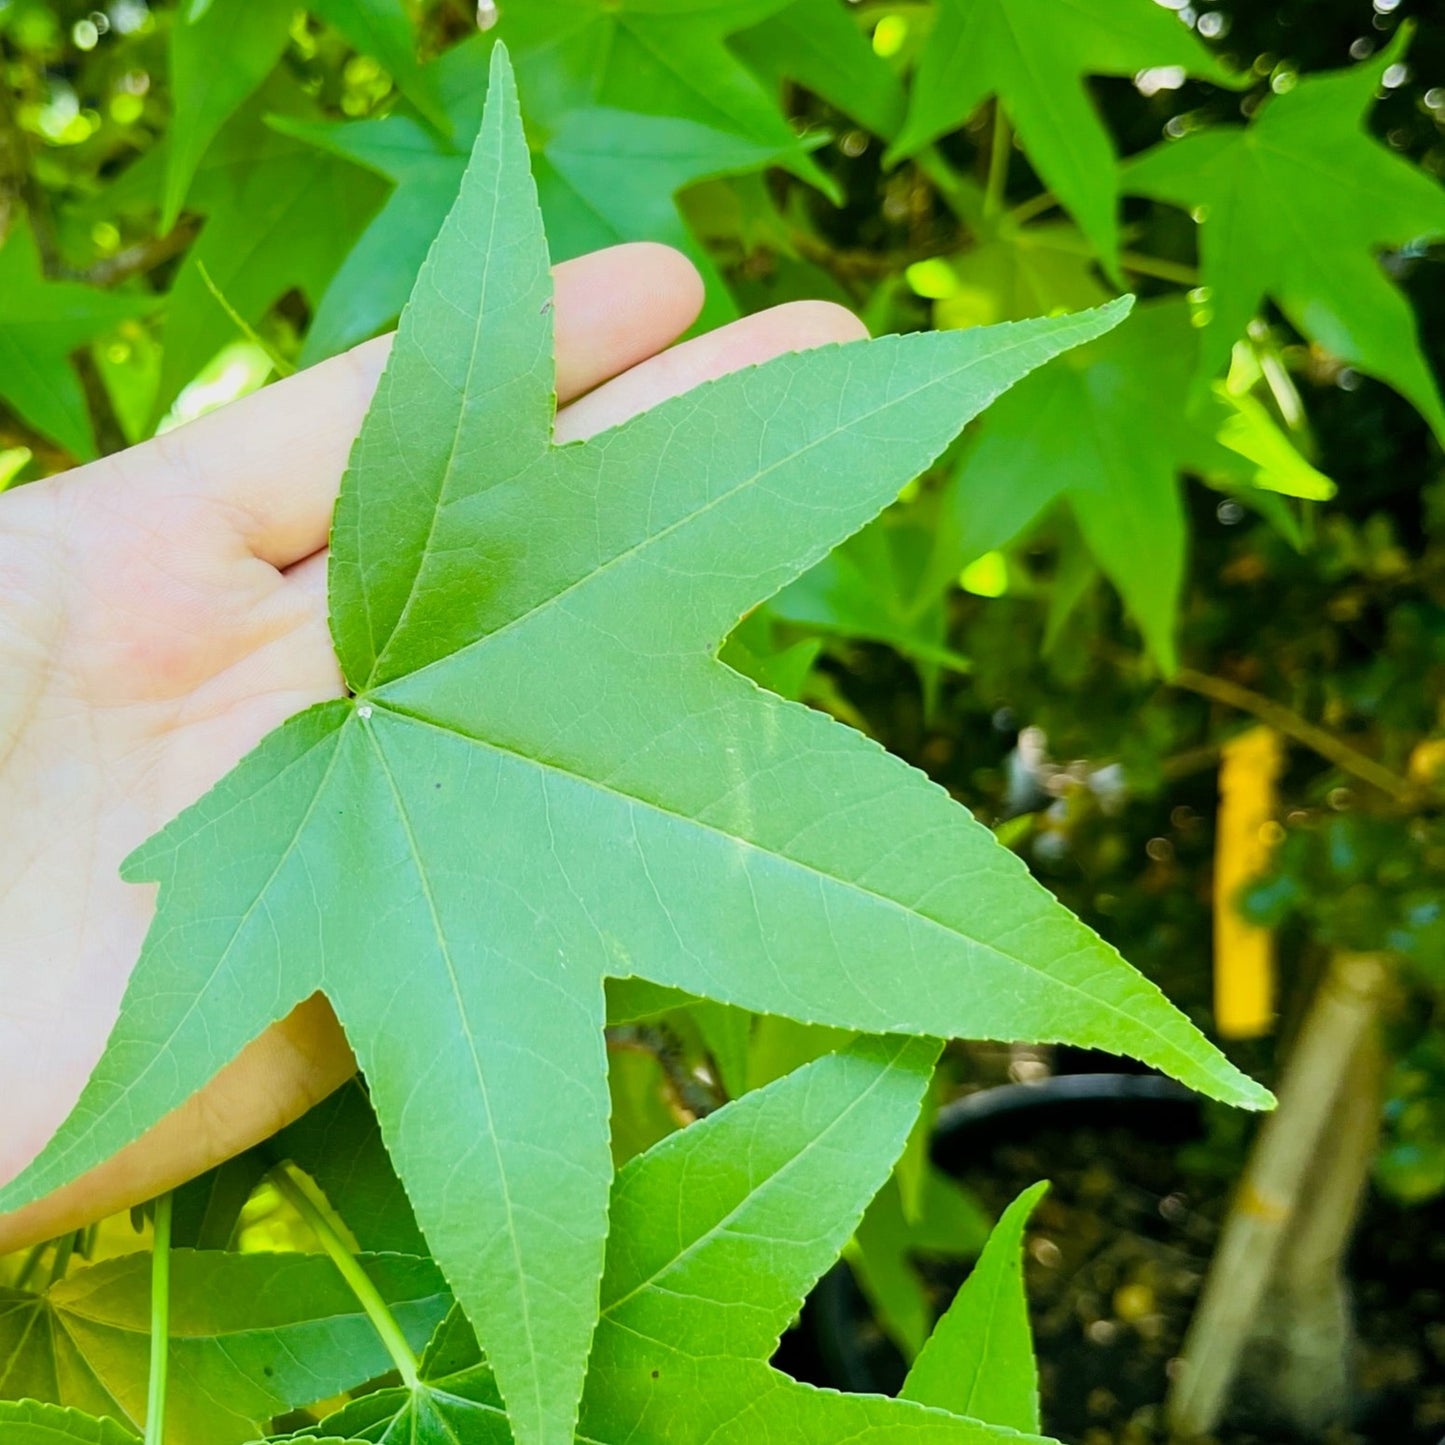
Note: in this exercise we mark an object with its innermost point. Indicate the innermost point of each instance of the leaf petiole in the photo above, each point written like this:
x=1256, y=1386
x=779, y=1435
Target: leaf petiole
x=287, y=1179
x=160, y=1322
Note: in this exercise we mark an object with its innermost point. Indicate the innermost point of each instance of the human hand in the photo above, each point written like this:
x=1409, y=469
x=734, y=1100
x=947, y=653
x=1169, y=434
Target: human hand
x=161, y=611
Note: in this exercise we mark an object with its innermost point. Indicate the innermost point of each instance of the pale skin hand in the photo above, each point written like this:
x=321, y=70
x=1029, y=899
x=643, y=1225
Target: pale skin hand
x=160, y=612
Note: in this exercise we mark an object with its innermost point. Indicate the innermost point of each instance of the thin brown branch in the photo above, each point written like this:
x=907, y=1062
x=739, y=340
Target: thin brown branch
x=1291, y=724
x=140, y=258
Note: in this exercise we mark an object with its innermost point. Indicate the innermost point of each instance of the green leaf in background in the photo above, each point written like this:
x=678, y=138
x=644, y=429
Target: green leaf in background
x=280, y=215
x=948, y=1224
x=41, y=323
x=1033, y=55
x=979, y=1360
x=27, y=1422
x=874, y=586
x=383, y=30
x=1109, y=429
x=251, y=1335
x=222, y=51
x=603, y=176
x=207, y=1210
x=717, y=1234
x=820, y=44
x=545, y=777
x=218, y=57
x=665, y=59
x=1296, y=206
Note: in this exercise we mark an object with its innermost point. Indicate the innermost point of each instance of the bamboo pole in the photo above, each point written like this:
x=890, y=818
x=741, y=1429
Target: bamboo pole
x=1340, y=1021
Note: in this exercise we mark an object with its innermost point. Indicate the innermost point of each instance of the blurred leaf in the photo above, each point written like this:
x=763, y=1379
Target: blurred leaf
x=603, y=176
x=874, y=586
x=754, y=649
x=218, y=57
x=41, y=323
x=29, y=1423
x=280, y=215
x=665, y=59
x=251, y=1335
x=980, y=1359
x=206, y=1211
x=1034, y=56
x=1295, y=207
x=1109, y=429
x=382, y=29
x=820, y=44
x=1036, y=271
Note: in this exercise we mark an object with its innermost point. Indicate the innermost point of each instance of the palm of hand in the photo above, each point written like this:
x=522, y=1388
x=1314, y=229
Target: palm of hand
x=160, y=612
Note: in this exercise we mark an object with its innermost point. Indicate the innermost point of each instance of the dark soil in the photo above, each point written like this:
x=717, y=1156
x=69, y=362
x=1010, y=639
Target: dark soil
x=1115, y=1260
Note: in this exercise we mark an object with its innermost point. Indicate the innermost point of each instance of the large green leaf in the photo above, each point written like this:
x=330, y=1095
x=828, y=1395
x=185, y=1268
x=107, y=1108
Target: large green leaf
x=544, y=777
x=250, y=1335
x=979, y=1360
x=1295, y=206
x=41, y=323
x=717, y=1234
x=28, y=1422
x=1034, y=56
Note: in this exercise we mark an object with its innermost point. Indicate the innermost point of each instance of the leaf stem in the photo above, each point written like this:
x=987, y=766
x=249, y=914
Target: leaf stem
x=160, y=1322
x=1134, y=261
x=1000, y=145
x=1326, y=744
x=287, y=1180
x=282, y=367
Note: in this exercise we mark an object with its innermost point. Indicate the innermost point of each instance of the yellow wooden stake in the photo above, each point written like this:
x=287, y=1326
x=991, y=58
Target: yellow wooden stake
x=1244, y=953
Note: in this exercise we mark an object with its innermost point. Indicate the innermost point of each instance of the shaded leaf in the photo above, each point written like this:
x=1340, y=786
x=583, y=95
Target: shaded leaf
x=821, y=45
x=338, y=1143
x=251, y=1335
x=41, y=323
x=218, y=57
x=280, y=215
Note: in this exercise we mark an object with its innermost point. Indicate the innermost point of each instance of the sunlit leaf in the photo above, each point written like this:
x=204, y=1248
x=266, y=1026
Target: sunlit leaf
x=1296, y=207
x=543, y=777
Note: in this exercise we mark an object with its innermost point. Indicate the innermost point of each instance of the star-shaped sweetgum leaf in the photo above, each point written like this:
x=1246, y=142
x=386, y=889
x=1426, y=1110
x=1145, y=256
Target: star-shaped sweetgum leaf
x=1296, y=206
x=544, y=777
x=1034, y=56
x=718, y=1232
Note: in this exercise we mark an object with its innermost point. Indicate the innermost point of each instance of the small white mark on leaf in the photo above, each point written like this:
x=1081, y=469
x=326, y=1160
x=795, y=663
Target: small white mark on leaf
x=364, y=711
x=487, y=14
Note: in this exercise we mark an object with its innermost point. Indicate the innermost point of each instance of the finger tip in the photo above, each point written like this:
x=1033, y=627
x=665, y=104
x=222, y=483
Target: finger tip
x=674, y=278
x=817, y=323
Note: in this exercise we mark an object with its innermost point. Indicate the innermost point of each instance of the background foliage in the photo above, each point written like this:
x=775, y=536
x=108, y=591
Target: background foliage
x=1227, y=512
